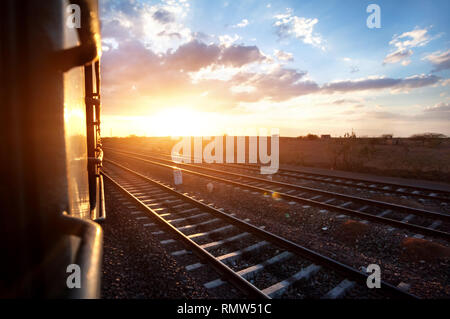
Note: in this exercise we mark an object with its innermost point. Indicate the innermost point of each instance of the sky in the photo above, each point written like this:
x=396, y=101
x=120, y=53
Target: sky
x=210, y=67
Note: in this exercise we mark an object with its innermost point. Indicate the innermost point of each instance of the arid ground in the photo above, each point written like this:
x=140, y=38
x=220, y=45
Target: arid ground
x=418, y=158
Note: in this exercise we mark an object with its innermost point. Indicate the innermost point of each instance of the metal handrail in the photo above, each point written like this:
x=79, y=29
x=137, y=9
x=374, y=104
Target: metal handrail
x=88, y=256
x=89, y=49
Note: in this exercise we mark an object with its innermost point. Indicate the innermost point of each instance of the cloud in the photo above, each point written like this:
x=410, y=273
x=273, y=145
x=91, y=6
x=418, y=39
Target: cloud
x=193, y=56
x=228, y=40
x=171, y=76
x=168, y=75
x=114, y=29
x=288, y=25
x=411, y=39
x=279, y=84
x=397, y=56
x=239, y=55
x=406, y=62
x=440, y=107
x=241, y=24
x=346, y=101
x=440, y=61
x=403, y=44
x=440, y=111
x=164, y=33
x=354, y=69
x=135, y=65
x=379, y=83
x=283, y=56
x=163, y=16
x=159, y=26
x=168, y=64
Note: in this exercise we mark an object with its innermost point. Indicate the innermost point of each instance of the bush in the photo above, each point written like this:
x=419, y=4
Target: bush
x=427, y=136
x=312, y=137
x=431, y=139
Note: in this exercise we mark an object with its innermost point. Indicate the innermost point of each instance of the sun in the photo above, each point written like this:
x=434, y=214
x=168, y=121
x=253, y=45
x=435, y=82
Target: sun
x=171, y=121
x=180, y=121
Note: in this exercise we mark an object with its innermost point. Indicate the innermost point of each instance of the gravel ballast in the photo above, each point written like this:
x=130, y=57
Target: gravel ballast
x=321, y=231
x=134, y=263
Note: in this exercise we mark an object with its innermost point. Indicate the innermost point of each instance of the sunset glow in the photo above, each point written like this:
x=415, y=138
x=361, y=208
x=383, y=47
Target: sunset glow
x=177, y=67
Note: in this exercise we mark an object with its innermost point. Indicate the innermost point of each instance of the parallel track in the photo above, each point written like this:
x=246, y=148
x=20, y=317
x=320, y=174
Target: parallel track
x=399, y=216
x=416, y=192
x=206, y=231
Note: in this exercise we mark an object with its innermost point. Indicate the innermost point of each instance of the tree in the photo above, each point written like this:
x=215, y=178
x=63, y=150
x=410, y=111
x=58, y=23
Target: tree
x=433, y=138
x=312, y=137
x=348, y=135
x=427, y=136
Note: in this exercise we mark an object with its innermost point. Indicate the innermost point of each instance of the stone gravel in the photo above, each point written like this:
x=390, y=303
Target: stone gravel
x=322, y=231
x=135, y=266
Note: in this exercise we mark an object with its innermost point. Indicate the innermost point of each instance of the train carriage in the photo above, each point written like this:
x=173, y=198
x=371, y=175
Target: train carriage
x=51, y=188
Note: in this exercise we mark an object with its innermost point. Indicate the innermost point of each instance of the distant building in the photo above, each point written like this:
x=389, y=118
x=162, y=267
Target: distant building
x=325, y=136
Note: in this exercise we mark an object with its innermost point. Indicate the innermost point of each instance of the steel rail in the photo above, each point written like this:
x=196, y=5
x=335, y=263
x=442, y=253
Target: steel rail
x=390, y=184
x=238, y=281
x=379, y=187
x=311, y=255
x=405, y=209
x=255, y=167
x=412, y=227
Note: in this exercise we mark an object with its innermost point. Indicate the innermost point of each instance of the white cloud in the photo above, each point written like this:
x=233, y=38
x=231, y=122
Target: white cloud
x=440, y=60
x=406, y=62
x=347, y=101
x=411, y=39
x=397, y=56
x=242, y=89
x=241, y=24
x=229, y=73
x=403, y=44
x=298, y=27
x=228, y=40
x=440, y=107
x=159, y=27
x=379, y=83
x=352, y=64
x=283, y=56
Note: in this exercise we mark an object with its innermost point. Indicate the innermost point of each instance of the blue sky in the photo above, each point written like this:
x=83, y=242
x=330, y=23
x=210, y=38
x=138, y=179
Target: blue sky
x=300, y=66
x=342, y=25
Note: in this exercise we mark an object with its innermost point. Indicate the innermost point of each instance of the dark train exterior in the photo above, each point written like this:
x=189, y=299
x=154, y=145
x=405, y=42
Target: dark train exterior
x=51, y=187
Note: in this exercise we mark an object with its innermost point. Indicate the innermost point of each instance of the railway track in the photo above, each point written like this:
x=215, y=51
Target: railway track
x=259, y=263
x=421, y=222
x=405, y=191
